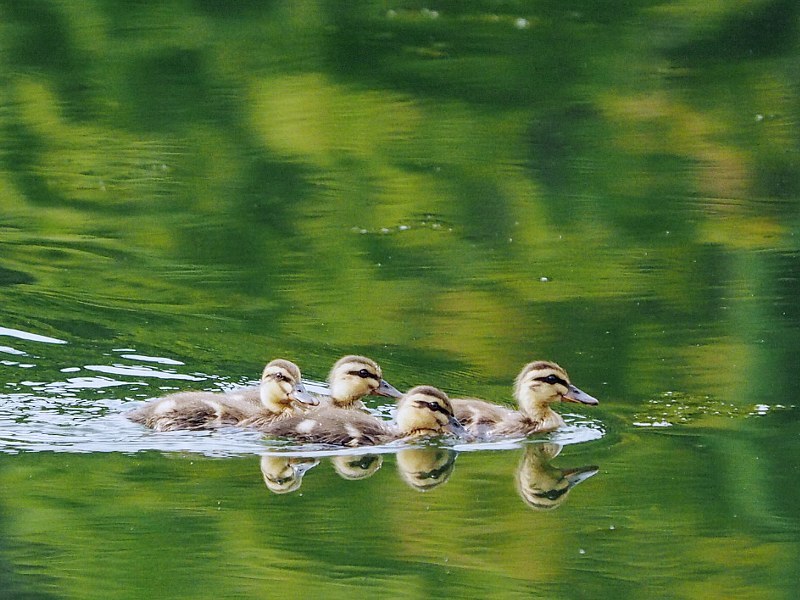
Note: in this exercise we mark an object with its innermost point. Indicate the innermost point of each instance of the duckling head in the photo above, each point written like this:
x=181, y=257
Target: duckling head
x=425, y=410
x=425, y=468
x=541, y=383
x=543, y=486
x=353, y=377
x=281, y=386
x=356, y=467
x=284, y=474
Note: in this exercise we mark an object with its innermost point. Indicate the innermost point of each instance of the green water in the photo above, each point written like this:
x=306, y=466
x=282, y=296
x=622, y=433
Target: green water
x=189, y=189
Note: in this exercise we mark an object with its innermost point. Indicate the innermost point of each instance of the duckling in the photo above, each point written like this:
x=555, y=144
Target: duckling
x=426, y=411
x=425, y=468
x=280, y=387
x=352, y=467
x=539, y=384
x=423, y=411
x=353, y=377
x=283, y=474
x=543, y=486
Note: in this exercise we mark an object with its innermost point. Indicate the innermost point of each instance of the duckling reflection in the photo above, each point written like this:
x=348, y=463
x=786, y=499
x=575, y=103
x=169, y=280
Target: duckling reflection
x=284, y=474
x=280, y=388
x=356, y=467
x=353, y=377
x=540, y=484
x=425, y=468
x=423, y=412
x=539, y=385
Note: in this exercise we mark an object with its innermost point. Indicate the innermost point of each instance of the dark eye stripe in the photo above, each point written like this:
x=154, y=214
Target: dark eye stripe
x=551, y=494
x=281, y=480
x=435, y=407
x=363, y=463
x=364, y=374
x=552, y=379
x=435, y=473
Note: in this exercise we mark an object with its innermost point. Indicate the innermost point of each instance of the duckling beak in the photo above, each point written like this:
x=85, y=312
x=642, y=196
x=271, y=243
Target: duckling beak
x=576, y=395
x=300, y=394
x=386, y=389
x=300, y=468
x=455, y=427
x=579, y=474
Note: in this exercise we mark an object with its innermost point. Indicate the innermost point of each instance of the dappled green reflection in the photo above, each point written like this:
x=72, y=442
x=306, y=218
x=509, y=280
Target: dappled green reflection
x=452, y=189
x=426, y=180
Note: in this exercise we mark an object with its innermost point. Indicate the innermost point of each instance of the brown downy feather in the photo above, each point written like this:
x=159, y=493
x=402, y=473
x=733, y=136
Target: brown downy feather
x=329, y=425
x=190, y=410
x=478, y=416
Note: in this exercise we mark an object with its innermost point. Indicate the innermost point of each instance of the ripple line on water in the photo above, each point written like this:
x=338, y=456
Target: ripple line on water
x=141, y=372
x=32, y=337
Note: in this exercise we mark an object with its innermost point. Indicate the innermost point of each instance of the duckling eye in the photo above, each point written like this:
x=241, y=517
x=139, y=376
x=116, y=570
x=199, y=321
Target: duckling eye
x=280, y=376
x=434, y=407
x=364, y=374
x=552, y=379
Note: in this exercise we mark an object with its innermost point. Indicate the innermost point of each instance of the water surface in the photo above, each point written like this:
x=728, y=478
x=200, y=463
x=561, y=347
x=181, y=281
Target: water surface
x=190, y=189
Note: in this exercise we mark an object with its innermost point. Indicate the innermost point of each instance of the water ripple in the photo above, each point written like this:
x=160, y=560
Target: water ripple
x=77, y=383
x=85, y=412
x=10, y=350
x=156, y=359
x=141, y=372
x=33, y=337
x=67, y=423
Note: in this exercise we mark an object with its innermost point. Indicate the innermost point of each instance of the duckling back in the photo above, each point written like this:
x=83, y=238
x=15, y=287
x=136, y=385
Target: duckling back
x=328, y=425
x=519, y=424
x=261, y=419
x=478, y=416
x=192, y=410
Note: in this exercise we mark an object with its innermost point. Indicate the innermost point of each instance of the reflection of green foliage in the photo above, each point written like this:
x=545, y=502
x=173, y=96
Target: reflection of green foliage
x=421, y=174
x=105, y=524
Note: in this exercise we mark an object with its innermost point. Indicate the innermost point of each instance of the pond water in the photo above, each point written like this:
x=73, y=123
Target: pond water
x=190, y=189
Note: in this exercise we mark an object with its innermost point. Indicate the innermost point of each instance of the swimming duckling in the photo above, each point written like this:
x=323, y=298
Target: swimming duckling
x=423, y=411
x=284, y=474
x=543, y=486
x=275, y=397
x=353, y=377
x=538, y=385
